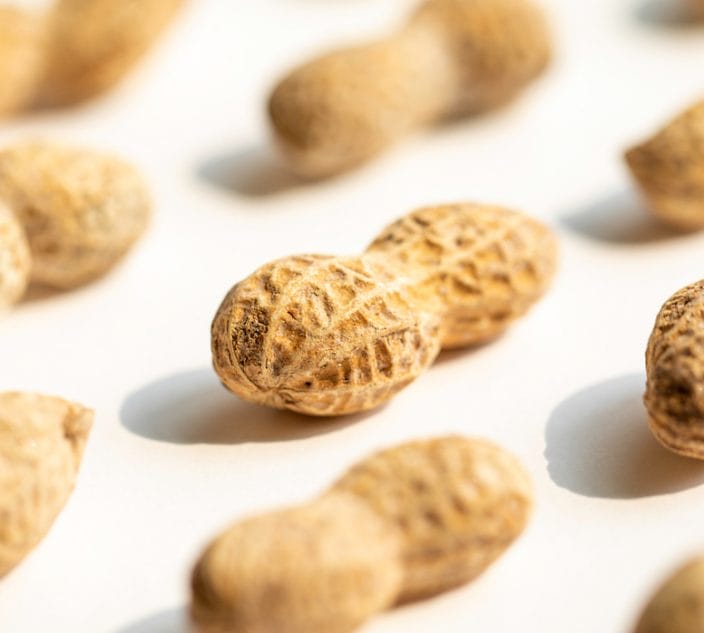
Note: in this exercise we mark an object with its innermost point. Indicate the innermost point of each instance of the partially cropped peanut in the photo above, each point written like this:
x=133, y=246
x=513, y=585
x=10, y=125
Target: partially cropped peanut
x=478, y=267
x=453, y=57
x=93, y=44
x=678, y=605
x=674, y=361
x=669, y=168
x=328, y=335
x=21, y=57
x=81, y=210
x=15, y=263
x=41, y=444
x=405, y=524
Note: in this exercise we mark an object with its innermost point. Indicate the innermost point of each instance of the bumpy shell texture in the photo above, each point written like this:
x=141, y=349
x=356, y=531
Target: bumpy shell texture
x=478, y=267
x=678, y=606
x=21, y=57
x=93, y=44
x=324, y=567
x=81, y=210
x=41, y=445
x=669, y=168
x=321, y=335
x=404, y=524
x=674, y=361
x=15, y=263
x=458, y=503
x=452, y=57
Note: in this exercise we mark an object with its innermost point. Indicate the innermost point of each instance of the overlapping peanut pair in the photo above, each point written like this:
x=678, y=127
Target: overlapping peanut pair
x=41, y=444
x=326, y=335
x=405, y=524
x=452, y=58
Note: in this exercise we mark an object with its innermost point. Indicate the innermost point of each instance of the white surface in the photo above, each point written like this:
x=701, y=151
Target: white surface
x=173, y=458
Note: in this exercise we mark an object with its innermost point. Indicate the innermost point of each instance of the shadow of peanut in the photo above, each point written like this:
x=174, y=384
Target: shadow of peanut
x=597, y=444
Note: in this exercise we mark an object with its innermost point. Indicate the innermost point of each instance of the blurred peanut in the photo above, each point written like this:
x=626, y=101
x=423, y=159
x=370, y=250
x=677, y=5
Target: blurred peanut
x=405, y=524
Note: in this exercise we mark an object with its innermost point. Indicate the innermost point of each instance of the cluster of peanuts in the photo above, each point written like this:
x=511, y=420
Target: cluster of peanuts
x=327, y=335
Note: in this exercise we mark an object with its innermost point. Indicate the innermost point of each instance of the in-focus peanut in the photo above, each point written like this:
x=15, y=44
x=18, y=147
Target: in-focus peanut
x=452, y=58
x=674, y=362
x=41, y=444
x=329, y=336
x=405, y=524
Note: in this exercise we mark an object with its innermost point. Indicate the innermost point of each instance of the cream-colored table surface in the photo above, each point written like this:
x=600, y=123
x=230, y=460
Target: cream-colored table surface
x=173, y=458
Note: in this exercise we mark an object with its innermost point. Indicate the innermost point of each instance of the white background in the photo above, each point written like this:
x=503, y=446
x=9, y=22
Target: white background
x=173, y=458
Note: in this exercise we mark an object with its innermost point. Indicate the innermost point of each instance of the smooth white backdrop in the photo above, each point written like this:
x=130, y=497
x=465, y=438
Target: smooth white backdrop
x=173, y=458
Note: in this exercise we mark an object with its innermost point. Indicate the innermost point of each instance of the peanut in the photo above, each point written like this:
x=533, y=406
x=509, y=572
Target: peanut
x=330, y=336
x=669, y=168
x=14, y=259
x=675, y=371
x=405, y=524
x=321, y=335
x=454, y=57
x=678, y=605
x=41, y=444
x=81, y=210
x=21, y=58
x=478, y=267
x=93, y=44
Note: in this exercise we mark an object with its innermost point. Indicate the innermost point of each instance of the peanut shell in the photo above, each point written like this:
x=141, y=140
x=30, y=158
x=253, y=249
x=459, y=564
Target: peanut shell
x=15, y=263
x=21, y=57
x=678, y=605
x=669, y=169
x=477, y=267
x=81, y=210
x=324, y=567
x=41, y=444
x=453, y=57
x=404, y=524
x=321, y=335
x=674, y=362
x=458, y=503
x=93, y=44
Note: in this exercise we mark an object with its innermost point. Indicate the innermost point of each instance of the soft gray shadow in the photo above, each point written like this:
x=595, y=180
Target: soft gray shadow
x=170, y=621
x=670, y=14
x=597, y=444
x=255, y=171
x=619, y=218
x=192, y=407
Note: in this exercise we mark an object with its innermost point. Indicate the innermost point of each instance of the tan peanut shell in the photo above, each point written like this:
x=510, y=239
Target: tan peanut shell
x=93, y=44
x=478, y=267
x=21, y=57
x=326, y=335
x=321, y=335
x=15, y=263
x=453, y=57
x=41, y=444
x=678, y=605
x=405, y=524
x=669, y=168
x=81, y=210
x=675, y=371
